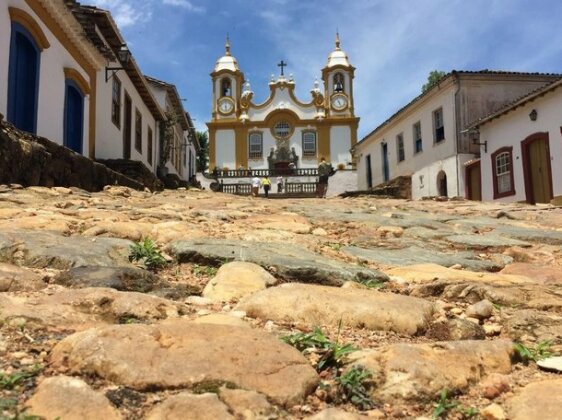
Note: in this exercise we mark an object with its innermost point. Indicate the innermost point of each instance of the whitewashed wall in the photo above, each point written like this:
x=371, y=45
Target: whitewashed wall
x=340, y=143
x=514, y=127
x=225, y=141
x=413, y=163
x=50, y=110
x=109, y=142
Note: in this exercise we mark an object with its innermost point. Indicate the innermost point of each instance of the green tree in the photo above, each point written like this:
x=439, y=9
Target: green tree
x=203, y=154
x=432, y=79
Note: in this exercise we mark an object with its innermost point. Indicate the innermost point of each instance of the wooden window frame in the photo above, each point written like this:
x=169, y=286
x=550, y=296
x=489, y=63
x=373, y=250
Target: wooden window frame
x=509, y=150
x=414, y=135
x=149, y=144
x=438, y=132
x=138, y=131
x=116, y=103
x=400, y=149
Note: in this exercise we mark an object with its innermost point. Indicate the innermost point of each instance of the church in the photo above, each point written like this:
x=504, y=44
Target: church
x=282, y=132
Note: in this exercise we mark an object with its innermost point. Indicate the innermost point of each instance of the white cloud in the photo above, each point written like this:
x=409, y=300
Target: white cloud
x=186, y=4
x=131, y=12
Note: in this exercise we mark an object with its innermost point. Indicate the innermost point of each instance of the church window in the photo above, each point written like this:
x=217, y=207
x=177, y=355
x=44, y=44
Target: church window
x=282, y=130
x=400, y=147
x=338, y=82
x=418, y=144
x=226, y=87
x=438, y=126
x=116, y=102
x=255, y=146
x=309, y=143
x=502, y=166
x=138, y=131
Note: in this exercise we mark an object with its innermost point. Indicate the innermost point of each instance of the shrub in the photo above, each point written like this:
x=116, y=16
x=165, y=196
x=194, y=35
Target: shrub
x=332, y=353
x=147, y=253
x=352, y=387
x=341, y=166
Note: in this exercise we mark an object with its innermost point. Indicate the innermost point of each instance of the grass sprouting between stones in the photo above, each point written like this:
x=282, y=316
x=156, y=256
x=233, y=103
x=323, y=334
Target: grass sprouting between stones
x=147, y=253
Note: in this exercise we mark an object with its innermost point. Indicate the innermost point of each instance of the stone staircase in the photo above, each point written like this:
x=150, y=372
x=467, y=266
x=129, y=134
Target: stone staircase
x=135, y=170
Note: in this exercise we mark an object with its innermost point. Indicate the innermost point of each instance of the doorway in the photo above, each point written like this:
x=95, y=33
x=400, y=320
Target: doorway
x=369, y=172
x=385, y=168
x=127, y=128
x=73, y=117
x=473, y=181
x=442, y=184
x=536, y=168
x=23, y=80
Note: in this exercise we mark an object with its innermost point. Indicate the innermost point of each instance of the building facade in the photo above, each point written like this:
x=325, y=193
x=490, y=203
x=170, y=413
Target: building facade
x=177, y=153
x=427, y=140
x=282, y=131
x=521, y=149
x=48, y=73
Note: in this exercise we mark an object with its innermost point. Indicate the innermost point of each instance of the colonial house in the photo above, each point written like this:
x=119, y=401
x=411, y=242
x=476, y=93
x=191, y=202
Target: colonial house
x=49, y=73
x=128, y=114
x=521, y=149
x=178, y=139
x=427, y=140
x=281, y=132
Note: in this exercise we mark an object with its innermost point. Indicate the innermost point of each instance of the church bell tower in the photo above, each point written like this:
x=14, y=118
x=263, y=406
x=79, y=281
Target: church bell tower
x=227, y=86
x=338, y=82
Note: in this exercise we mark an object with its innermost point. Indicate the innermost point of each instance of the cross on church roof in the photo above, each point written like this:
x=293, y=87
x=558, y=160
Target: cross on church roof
x=282, y=64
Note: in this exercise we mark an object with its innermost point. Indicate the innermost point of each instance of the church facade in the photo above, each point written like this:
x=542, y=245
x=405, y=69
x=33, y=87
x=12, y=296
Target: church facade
x=282, y=132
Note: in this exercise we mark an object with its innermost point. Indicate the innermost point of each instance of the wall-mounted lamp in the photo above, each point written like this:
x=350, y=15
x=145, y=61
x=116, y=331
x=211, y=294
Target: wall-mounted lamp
x=124, y=56
x=533, y=115
x=477, y=143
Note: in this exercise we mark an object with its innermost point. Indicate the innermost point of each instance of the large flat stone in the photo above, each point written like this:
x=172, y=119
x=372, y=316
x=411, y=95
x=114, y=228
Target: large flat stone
x=530, y=326
x=83, y=308
x=292, y=262
x=182, y=354
x=539, y=273
x=236, y=280
x=16, y=279
x=427, y=273
x=419, y=372
x=418, y=255
x=63, y=397
x=485, y=241
x=187, y=406
x=47, y=249
x=311, y=305
x=539, y=400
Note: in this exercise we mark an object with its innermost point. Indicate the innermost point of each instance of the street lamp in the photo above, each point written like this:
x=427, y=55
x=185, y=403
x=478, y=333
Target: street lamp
x=123, y=56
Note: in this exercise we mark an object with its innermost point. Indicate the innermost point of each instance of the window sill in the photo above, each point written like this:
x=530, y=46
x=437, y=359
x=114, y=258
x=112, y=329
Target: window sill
x=418, y=153
x=438, y=142
x=505, y=194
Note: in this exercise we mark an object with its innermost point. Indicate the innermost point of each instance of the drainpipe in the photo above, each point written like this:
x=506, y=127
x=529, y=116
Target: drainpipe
x=457, y=129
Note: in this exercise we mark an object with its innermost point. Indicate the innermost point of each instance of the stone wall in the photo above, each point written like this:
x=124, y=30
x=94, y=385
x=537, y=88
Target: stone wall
x=30, y=160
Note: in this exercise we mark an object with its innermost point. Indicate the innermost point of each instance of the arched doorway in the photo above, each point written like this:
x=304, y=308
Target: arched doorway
x=23, y=79
x=73, y=117
x=442, y=184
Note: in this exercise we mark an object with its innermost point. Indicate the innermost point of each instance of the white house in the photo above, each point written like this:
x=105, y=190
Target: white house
x=179, y=156
x=426, y=139
x=521, y=149
x=127, y=113
x=49, y=73
x=282, y=131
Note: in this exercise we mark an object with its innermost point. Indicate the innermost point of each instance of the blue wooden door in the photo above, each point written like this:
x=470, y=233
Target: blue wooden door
x=385, y=168
x=73, y=117
x=23, y=80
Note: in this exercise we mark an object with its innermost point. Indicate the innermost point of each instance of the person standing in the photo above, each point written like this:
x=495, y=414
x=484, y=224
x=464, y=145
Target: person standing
x=266, y=184
x=256, y=183
x=279, y=184
x=324, y=172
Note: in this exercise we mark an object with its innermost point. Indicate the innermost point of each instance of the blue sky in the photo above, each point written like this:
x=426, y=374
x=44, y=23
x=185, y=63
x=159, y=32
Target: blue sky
x=394, y=44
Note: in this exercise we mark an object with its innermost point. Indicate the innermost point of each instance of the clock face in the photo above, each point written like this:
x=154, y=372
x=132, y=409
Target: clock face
x=226, y=106
x=339, y=102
